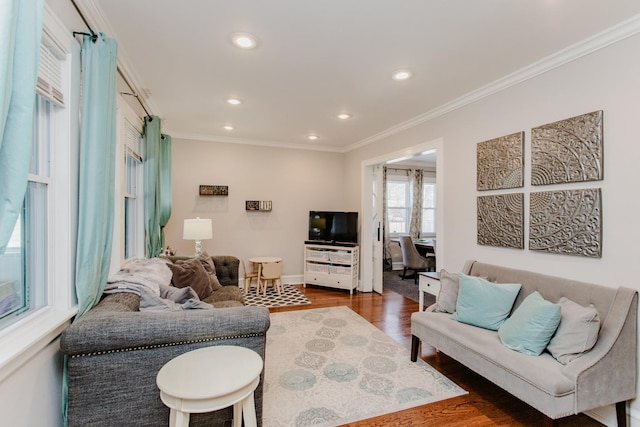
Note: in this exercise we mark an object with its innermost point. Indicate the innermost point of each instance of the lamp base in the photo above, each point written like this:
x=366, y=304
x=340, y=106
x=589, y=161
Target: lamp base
x=198, y=248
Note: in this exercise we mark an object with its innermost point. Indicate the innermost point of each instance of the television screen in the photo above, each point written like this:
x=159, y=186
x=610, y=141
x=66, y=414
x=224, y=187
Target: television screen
x=334, y=227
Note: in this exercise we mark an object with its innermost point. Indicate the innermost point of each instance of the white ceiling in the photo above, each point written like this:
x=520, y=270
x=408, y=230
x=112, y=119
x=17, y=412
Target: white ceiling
x=316, y=59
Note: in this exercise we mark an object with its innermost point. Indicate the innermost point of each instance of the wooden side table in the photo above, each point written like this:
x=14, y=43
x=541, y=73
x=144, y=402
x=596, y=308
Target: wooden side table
x=428, y=282
x=192, y=383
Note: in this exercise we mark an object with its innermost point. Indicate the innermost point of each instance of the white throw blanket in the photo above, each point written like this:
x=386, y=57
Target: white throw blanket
x=149, y=273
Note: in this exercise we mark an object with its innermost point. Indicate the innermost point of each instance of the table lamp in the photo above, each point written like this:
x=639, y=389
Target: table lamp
x=197, y=229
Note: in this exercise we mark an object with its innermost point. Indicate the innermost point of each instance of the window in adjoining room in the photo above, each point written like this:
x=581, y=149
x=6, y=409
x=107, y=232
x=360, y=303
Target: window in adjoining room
x=398, y=204
x=428, y=226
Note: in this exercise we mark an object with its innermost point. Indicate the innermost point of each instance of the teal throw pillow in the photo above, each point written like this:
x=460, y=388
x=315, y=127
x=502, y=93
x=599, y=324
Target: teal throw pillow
x=482, y=303
x=531, y=326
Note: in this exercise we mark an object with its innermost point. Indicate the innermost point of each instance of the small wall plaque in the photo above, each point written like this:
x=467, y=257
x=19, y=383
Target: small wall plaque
x=214, y=190
x=258, y=205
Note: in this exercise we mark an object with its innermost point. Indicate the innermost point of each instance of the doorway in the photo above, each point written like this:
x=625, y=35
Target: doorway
x=371, y=255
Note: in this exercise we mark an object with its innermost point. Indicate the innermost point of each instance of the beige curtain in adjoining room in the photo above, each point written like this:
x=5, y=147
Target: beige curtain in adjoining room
x=415, y=176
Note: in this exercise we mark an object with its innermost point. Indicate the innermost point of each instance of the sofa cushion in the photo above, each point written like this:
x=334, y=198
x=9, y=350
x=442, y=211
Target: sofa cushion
x=466, y=343
x=482, y=303
x=577, y=332
x=531, y=326
x=192, y=273
x=448, y=295
x=226, y=293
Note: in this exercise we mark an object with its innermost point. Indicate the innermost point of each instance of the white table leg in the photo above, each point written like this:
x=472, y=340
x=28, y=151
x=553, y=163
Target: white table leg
x=237, y=414
x=420, y=299
x=178, y=419
x=249, y=411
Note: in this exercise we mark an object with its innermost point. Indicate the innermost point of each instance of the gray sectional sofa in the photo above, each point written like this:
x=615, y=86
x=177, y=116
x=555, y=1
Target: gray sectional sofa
x=604, y=375
x=115, y=351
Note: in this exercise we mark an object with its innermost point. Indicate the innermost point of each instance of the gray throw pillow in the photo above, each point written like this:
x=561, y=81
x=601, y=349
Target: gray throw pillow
x=577, y=332
x=448, y=295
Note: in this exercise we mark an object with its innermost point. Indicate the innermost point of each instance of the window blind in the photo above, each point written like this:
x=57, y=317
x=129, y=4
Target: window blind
x=49, y=82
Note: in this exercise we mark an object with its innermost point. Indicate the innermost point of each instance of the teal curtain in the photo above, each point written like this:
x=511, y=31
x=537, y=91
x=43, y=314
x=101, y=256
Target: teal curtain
x=20, y=34
x=165, y=184
x=152, y=161
x=97, y=169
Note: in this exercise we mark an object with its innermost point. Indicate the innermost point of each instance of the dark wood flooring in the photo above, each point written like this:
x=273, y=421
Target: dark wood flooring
x=485, y=405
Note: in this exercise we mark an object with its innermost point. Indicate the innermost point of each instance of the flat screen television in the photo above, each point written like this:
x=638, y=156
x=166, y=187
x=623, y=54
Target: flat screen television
x=333, y=227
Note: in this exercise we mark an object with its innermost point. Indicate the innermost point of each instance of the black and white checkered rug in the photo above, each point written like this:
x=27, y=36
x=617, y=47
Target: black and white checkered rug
x=290, y=296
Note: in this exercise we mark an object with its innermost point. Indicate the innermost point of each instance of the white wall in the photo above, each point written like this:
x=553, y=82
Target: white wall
x=296, y=181
x=32, y=395
x=606, y=80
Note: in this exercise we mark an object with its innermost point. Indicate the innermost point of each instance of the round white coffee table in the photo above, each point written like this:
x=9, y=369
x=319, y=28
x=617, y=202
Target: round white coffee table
x=209, y=379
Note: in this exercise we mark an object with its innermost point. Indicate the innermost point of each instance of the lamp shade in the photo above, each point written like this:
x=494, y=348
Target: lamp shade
x=197, y=229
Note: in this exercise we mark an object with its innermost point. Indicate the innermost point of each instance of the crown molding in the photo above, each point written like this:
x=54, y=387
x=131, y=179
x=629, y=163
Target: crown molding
x=258, y=142
x=98, y=23
x=585, y=47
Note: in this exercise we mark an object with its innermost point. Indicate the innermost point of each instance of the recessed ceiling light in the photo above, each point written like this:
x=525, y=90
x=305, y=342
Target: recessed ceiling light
x=228, y=127
x=313, y=137
x=401, y=75
x=234, y=101
x=344, y=116
x=244, y=40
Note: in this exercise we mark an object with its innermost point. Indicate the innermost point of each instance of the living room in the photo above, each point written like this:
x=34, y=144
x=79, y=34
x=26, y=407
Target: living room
x=596, y=72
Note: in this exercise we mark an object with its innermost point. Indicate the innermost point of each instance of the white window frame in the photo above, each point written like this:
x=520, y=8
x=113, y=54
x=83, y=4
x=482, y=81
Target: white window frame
x=26, y=337
x=126, y=117
x=405, y=180
x=431, y=182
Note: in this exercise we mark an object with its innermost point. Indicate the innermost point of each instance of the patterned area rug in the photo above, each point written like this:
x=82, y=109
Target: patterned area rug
x=290, y=296
x=329, y=366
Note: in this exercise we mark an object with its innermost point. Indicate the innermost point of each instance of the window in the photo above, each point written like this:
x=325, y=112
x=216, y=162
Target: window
x=428, y=226
x=132, y=195
x=37, y=270
x=398, y=204
x=24, y=265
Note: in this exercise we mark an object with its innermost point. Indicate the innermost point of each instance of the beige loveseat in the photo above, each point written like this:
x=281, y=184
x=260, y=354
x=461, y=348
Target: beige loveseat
x=604, y=375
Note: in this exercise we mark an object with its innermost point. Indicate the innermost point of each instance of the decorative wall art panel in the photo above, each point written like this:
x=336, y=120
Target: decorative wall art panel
x=214, y=190
x=567, y=151
x=566, y=222
x=500, y=162
x=501, y=220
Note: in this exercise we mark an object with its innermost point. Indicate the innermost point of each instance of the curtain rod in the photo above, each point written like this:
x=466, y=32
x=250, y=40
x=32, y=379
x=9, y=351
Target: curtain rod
x=94, y=37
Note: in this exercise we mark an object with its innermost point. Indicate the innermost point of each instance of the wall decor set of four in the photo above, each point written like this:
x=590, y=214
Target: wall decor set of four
x=566, y=221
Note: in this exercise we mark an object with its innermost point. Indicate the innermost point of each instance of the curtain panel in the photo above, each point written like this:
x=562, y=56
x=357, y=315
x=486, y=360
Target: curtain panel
x=416, y=207
x=165, y=184
x=157, y=185
x=97, y=169
x=20, y=35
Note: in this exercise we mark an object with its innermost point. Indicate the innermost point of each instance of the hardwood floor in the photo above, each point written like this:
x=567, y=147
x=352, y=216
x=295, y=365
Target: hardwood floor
x=485, y=405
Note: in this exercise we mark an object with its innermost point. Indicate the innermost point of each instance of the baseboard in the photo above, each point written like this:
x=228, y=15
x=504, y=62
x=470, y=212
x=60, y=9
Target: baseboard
x=607, y=416
x=286, y=280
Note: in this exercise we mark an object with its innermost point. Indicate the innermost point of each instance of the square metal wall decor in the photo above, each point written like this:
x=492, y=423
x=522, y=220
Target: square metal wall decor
x=501, y=220
x=566, y=222
x=568, y=151
x=500, y=162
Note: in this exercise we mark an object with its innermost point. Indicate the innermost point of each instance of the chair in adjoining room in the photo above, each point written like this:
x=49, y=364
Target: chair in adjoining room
x=270, y=271
x=412, y=260
x=249, y=275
